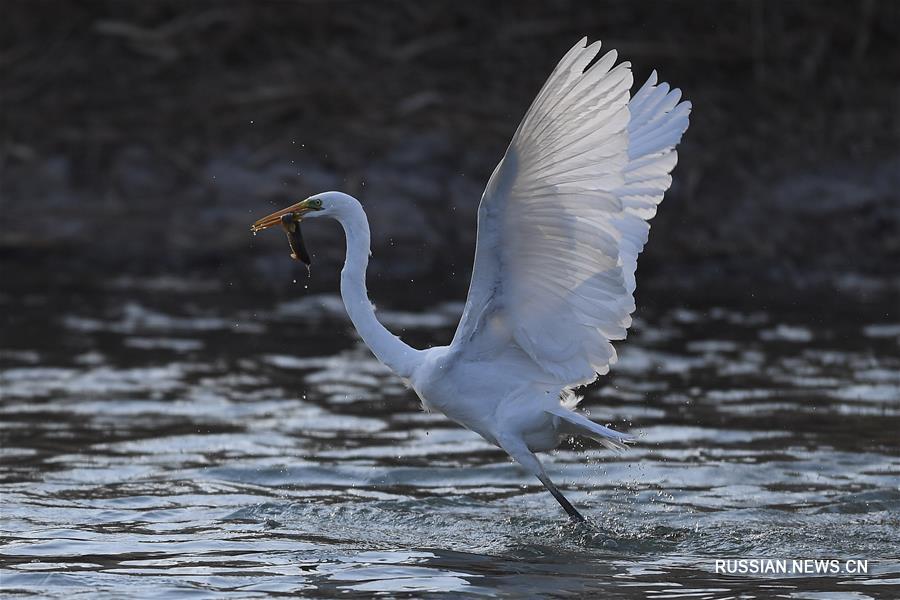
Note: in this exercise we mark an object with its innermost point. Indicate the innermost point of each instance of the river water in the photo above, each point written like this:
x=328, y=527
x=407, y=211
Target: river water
x=166, y=439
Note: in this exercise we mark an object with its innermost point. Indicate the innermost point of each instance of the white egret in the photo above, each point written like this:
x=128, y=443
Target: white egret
x=560, y=225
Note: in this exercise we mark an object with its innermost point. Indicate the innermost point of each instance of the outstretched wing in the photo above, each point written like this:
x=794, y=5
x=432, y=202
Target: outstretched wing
x=564, y=217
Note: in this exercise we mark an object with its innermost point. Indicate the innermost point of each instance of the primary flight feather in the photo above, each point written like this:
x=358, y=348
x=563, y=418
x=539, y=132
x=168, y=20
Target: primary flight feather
x=560, y=226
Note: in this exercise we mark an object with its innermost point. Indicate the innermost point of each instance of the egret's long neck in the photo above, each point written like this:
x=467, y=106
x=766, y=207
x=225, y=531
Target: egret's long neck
x=387, y=347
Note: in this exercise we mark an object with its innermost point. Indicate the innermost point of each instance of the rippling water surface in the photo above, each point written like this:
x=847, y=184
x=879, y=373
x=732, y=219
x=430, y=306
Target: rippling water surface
x=164, y=439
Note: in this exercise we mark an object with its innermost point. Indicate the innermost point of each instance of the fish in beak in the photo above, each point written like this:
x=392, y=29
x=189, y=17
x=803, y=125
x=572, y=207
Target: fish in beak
x=291, y=226
x=289, y=219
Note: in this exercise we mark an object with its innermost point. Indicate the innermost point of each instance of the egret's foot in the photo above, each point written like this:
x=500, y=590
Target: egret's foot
x=574, y=515
x=577, y=517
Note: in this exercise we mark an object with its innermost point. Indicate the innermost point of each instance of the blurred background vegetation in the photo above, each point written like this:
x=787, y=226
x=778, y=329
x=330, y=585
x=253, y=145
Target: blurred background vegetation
x=140, y=139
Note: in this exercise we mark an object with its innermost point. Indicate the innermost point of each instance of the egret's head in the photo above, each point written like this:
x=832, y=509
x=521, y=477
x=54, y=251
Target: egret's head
x=321, y=205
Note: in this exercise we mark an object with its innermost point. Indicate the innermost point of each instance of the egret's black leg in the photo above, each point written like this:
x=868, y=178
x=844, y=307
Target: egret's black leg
x=567, y=506
x=516, y=448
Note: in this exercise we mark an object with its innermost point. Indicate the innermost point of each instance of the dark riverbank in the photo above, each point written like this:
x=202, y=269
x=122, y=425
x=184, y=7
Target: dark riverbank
x=142, y=139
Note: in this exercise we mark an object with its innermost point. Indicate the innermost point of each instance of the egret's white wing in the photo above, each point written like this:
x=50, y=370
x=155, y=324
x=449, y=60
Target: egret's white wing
x=564, y=217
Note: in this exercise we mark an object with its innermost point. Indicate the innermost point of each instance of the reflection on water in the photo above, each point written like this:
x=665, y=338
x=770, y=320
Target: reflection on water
x=160, y=442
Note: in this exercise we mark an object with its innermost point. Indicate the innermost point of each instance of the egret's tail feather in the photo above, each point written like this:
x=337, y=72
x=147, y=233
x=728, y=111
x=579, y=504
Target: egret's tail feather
x=569, y=398
x=579, y=424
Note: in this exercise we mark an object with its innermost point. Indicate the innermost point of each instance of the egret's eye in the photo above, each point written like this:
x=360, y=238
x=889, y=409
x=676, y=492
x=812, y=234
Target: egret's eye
x=315, y=203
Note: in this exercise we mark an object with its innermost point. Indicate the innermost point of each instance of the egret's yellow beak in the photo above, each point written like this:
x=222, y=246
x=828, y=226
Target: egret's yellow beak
x=295, y=210
x=289, y=218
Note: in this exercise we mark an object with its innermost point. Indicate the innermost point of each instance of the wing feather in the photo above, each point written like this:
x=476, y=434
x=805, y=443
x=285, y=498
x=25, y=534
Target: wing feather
x=564, y=216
